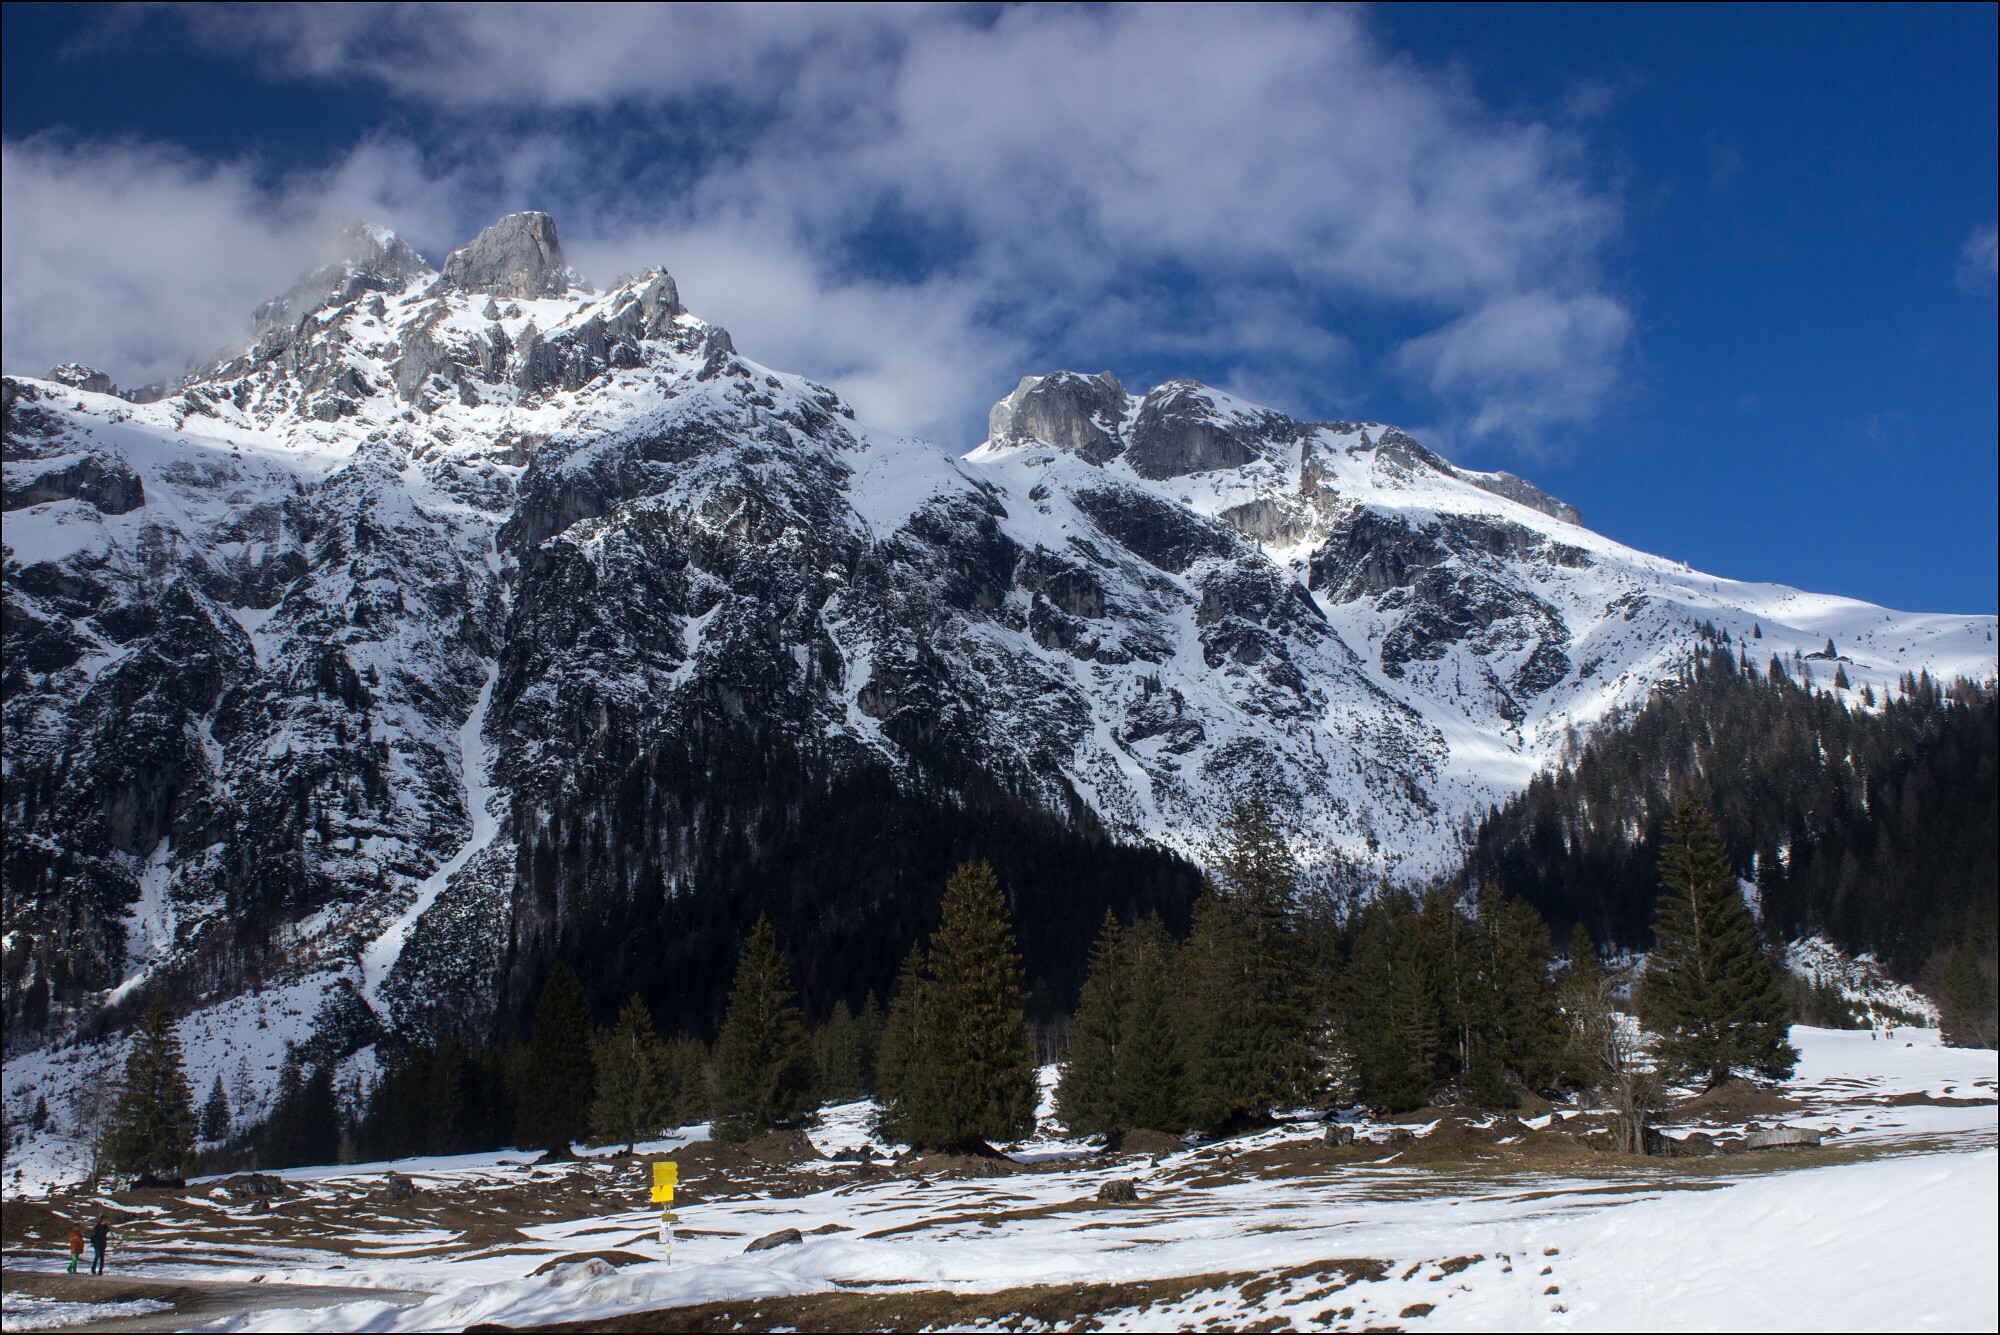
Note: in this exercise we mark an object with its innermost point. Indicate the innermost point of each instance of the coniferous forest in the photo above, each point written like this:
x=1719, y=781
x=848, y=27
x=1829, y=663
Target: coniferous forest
x=1878, y=827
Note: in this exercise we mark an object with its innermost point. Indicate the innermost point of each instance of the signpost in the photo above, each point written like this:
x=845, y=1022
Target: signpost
x=665, y=1174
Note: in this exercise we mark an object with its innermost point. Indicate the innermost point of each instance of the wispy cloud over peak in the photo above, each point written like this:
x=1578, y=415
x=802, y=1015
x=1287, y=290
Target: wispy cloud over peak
x=1249, y=194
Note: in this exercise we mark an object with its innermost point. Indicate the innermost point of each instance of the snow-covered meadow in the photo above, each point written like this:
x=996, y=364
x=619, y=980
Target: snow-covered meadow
x=1892, y=1224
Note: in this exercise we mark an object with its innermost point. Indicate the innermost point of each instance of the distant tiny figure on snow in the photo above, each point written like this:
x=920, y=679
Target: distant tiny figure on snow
x=100, y=1238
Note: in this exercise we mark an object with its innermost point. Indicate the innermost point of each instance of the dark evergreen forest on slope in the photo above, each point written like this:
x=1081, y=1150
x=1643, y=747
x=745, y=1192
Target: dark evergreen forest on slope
x=1878, y=827
x=845, y=861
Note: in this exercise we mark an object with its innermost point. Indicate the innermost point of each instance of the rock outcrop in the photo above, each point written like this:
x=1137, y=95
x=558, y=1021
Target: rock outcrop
x=518, y=257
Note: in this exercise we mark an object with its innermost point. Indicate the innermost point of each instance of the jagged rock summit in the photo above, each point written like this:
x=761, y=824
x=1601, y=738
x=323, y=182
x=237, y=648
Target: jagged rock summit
x=462, y=619
x=519, y=257
x=78, y=376
x=366, y=258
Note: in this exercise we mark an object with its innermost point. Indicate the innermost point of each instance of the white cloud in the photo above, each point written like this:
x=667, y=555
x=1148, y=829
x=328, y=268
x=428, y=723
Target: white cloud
x=1524, y=363
x=1979, y=261
x=482, y=55
x=1208, y=188
x=137, y=258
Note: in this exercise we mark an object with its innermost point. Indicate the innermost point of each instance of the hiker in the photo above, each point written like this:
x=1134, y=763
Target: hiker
x=99, y=1238
x=75, y=1247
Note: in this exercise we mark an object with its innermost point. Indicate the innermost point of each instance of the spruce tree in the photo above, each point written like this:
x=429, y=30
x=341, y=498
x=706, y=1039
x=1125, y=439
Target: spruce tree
x=631, y=1078
x=1086, y=1094
x=1150, y=1080
x=868, y=1039
x=445, y=1112
x=957, y=1065
x=1709, y=990
x=215, y=1113
x=559, y=1079
x=319, y=1118
x=844, y=1048
x=1393, y=1016
x=1426, y=995
x=280, y=1141
x=1966, y=1006
x=1252, y=1022
x=901, y=1073
x=688, y=1086
x=1523, y=1037
x=152, y=1124
x=304, y=1126
x=763, y=1063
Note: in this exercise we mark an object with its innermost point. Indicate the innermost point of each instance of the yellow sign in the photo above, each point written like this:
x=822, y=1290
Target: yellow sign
x=665, y=1174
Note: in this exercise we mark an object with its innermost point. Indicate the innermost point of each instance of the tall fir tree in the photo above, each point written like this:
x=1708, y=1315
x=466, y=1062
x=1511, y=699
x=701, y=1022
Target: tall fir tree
x=1966, y=1001
x=631, y=1078
x=559, y=1079
x=1392, y=1015
x=1522, y=1035
x=152, y=1126
x=958, y=1061
x=1252, y=1024
x=303, y=1129
x=319, y=1118
x=1150, y=1079
x=1709, y=990
x=279, y=1140
x=844, y=1048
x=901, y=1071
x=1086, y=1094
x=445, y=1110
x=763, y=1061
x=689, y=1082
x=215, y=1113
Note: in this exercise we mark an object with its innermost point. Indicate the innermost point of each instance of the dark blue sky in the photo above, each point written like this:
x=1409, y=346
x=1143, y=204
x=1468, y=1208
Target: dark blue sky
x=1791, y=370
x=1815, y=393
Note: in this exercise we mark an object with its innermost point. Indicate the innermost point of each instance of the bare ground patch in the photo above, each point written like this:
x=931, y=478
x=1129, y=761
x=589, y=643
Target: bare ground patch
x=1067, y=1306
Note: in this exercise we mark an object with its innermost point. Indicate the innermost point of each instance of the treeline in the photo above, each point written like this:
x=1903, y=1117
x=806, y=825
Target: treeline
x=951, y=1060
x=1878, y=826
x=1267, y=1006
x=625, y=1083
x=1412, y=1003
x=567, y=1083
x=662, y=868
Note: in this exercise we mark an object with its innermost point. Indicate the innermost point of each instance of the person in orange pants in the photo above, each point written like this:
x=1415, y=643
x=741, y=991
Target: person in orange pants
x=75, y=1247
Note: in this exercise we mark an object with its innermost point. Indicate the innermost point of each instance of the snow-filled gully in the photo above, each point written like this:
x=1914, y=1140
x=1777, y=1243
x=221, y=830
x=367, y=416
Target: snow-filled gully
x=476, y=779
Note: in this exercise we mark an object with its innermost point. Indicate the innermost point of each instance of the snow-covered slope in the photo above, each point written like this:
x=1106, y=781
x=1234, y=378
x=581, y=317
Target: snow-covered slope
x=400, y=645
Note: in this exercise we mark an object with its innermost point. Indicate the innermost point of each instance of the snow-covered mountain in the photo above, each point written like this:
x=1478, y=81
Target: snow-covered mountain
x=407, y=640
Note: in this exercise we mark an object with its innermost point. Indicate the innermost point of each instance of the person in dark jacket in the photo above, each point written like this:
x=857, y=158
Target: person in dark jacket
x=100, y=1238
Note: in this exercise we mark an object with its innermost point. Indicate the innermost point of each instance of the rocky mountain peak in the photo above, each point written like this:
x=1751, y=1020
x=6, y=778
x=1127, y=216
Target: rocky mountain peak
x=366, y=258
x=519, y=256
x=78, y=376
x=1070, y=411
x=1185, y=427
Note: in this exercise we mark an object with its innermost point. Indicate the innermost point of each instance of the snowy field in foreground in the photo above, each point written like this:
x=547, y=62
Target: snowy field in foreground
x=1900, y=1235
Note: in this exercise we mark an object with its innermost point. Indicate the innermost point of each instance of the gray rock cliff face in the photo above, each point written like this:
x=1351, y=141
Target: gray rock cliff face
x=78, y=376
x=1074, y=412
x=519, y=256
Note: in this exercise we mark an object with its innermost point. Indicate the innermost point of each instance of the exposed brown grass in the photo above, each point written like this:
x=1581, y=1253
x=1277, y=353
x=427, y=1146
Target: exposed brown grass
x=1081, y=1307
